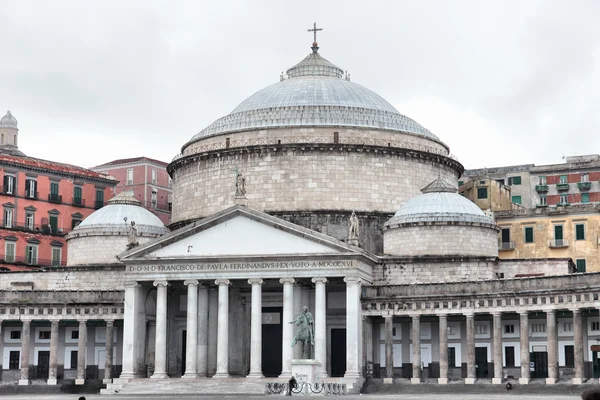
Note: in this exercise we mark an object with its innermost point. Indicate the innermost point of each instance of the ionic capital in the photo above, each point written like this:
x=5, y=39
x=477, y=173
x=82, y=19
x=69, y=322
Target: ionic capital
x=222, y=282
x=131, y=284
x=161, y=283
x=352, y=280
x=319, y=280
x=191, y=282
x=287, y=280
x=255, y=281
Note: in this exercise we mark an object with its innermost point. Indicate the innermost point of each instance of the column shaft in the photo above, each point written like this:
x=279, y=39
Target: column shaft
x=321, y=323
x=130, y=327
x=81, y=350
x=578, y=346
x=443, y=324
x=53, y=371
x=353, y=318
x=389, y=349
x=256, y=329
x=160, y=347
x=191, y=339
x=524, y=338
x=552, y=347
x=25, y=350
x=288, y=329
x=202, y=330
x=416, y=349
x=470, y=349
x=497, y=348
x=297, y=350
x=108, y=362
x=223, y=330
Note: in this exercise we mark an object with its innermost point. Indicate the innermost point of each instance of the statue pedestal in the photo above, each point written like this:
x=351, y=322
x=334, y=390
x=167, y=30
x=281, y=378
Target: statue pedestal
x=307, y=373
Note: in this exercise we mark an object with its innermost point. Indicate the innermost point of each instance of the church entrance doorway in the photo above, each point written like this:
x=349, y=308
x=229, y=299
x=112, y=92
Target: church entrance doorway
x=43, y=367
x=338, y=353
x=481, y=362
x=183, y=350
x=272, y=337
x=595, y=362
x=538, y=363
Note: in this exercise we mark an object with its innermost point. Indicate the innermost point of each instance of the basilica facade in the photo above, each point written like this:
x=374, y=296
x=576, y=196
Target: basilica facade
x=315, y=192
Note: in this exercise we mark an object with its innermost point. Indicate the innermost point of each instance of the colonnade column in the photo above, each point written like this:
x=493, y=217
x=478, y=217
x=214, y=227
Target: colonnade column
x=552, y=347
x=416, y=349
x=108, y=362
x=223, y=330
x=443, y=322
x=321, y=323
x=389, y=348
x=202, y=340
x=81, y=350
x=53, y=371
x=578, y=347
x=288, y=329
x=352, y=327
x=470, y=349
x=130, y=327
x=256, y=329
x=297, y=309
x=524, y=338
x=191, y=339
x=25, y=350
x=160, y=348
x=497, y=347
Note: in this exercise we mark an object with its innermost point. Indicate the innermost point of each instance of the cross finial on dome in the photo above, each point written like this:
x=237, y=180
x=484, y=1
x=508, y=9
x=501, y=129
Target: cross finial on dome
x=315, y=46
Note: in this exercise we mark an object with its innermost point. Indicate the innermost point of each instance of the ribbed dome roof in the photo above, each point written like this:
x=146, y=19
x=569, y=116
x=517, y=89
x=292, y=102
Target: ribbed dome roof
x=111, y=218
x=315, y=94
x=8, y=121
x=439, y=203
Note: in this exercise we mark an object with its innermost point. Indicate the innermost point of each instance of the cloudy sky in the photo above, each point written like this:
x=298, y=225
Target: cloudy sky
x=501, y=82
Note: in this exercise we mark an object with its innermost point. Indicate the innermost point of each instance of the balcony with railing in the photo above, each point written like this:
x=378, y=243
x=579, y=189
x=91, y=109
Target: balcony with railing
x=78, y=202
x=54, y=198
x=25, y=226
x=154, y=205
x=506, y=246
x=34, y=261
x=541, y=188
x=31, y=195
x=558, y=243
x=562, y=187
x=584, y=186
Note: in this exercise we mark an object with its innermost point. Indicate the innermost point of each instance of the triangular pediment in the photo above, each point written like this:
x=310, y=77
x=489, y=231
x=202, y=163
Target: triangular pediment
x=239, y=231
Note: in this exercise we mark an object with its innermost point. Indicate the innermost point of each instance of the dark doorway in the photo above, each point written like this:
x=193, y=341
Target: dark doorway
x=538, y=364
x=183, y=350
x=338, y=352
x=272, y=336
x=481, y=362
x=595, y=365
x=43, y=366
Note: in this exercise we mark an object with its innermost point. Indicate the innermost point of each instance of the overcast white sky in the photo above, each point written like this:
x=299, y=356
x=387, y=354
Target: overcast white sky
x=501, y=82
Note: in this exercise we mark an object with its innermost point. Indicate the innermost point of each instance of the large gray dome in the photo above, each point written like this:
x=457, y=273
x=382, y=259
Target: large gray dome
x=315, y=94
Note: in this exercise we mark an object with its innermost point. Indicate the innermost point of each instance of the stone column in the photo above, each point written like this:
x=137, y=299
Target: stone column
x=81, y=350
x=524, y=338
x=288, y=329
x=297, y=350
x=202, y=330
x=191, y=333
x=321, y=323
x=552, y=347
x=160, y=348
x=53, y=371
x=223, y=330
x=368, y=344
x=108, y=362
x=25, y=350
x=389, y=349
x=578, y=347
x=130, y=327
x=443, y=323
x=416, y=349
x=497, y=348
x=353, y=318
x=470, y=349
x=256, y=329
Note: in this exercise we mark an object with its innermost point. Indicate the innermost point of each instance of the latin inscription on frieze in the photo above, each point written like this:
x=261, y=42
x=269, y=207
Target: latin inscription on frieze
x=239, y=266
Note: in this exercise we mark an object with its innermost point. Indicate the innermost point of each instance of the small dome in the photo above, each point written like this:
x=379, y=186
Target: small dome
x=439, y=203
x=8, y=121
x=118, y=214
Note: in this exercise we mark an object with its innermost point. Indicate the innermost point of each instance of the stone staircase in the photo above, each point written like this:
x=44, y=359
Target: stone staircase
x=175, y=386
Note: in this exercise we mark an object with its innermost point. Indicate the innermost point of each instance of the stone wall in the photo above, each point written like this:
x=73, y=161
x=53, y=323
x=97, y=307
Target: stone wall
x=398, y=271
x=66, y=279
x=441, y=239
x=529, y=267
x=98, y=249
x=305, y=179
